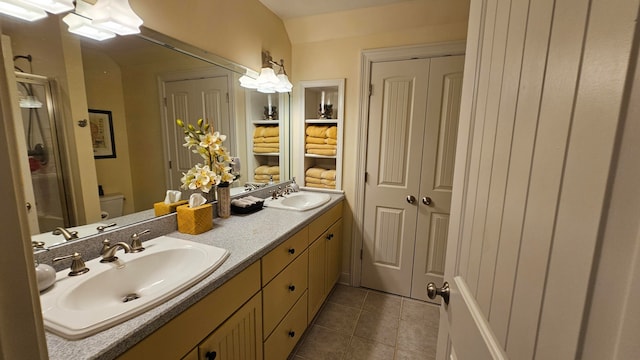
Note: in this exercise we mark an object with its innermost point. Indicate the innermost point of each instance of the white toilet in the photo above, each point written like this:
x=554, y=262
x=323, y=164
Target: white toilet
x=112, y=205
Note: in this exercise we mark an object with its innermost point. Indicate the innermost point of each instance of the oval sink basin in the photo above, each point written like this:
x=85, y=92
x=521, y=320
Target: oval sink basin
x=299, y=201
x=110, y=293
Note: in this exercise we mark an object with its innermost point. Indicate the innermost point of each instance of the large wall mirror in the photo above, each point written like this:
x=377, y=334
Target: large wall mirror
x=134, y=89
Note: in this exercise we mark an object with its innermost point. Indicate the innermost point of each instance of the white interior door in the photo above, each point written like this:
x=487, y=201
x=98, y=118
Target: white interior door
x=394, y=153
x=436, y=178
x=190, y=100
x=532, y=169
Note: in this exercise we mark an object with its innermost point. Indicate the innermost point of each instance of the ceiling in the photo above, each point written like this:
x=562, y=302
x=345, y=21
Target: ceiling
x=287, y=9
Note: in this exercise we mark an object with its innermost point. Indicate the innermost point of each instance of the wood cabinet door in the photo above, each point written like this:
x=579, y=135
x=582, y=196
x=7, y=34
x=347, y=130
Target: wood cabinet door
x=238, y=338
x=317, y=258
x=333, y=238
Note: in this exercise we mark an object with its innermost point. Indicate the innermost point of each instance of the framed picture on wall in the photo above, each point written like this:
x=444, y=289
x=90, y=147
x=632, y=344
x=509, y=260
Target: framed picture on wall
x=101, y=124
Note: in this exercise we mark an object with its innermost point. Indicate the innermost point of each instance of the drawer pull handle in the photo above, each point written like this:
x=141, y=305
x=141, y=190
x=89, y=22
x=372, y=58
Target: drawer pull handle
x=292, y=251
x=330, y=236
x=210, y=355
x=292, y=288
x=292, y=333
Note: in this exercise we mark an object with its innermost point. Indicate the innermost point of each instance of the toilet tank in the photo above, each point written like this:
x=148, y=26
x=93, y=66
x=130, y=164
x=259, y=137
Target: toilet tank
x=112, y=205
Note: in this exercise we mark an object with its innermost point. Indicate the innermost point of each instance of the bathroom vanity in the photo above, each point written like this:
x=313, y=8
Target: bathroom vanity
x=256, y=305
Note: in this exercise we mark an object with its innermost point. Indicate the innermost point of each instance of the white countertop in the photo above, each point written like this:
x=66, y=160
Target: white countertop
x=247, y=237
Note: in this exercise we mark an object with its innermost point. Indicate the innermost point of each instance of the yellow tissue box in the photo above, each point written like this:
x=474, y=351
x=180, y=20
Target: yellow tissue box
x=160, y=208
x=195, y=220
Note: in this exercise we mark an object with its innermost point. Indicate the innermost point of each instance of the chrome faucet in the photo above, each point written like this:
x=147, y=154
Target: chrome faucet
x=77, y=264
x=277, y=193
x=101, y=228
x=68, y=235
x=108, y=251
x=136, y=243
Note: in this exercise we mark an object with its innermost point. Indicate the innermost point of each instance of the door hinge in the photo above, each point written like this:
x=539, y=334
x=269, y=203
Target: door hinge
x=170, y=165
x=165, y=101
x=227, y=98
x=366, y=177
x=370, y=89
x=360, y=254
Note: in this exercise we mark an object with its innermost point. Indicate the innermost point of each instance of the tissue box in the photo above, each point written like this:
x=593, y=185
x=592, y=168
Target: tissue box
x=196, y=220
x=160, y=208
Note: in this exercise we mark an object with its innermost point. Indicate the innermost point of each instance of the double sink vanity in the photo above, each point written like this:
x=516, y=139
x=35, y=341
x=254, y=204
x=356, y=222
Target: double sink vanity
x=245, y=290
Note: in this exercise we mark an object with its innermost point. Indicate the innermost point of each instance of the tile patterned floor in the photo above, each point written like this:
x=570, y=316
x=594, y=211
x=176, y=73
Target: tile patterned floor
x=357, y=323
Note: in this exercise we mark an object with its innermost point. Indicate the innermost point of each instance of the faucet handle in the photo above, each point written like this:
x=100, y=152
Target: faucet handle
x=77, y=264
x=136, y=243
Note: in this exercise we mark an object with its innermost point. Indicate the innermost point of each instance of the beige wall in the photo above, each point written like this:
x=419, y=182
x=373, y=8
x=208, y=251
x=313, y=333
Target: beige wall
x=237, y=30
x=333, y=51
x=103, y=82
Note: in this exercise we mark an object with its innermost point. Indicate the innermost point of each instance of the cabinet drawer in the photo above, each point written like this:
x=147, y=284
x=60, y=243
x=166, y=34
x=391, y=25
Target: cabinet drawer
x=283, y=291
x=284, y=254
x=284, y=338
x=319, y=225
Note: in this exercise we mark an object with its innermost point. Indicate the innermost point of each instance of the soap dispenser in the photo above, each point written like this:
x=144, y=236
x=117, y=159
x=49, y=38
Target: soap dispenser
x=45, y=274
x=294, y=185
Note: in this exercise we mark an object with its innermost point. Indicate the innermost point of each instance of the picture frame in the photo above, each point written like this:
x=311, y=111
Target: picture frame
x=102, y=137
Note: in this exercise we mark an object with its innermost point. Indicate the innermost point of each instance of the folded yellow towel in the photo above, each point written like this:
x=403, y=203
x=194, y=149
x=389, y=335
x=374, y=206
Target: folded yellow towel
x=332, y=141
x=268, y=145
x=317, y=131
x=332, y=132
x=324, y=152
x=313, y=180
x=271, y=131
x=315, y=172
x=264, y=150
x=267, y=170
x=320, y=146
x=320, y=186
x=266, y=177
x=316, y=140
x=262, y=139
x=266, y=131
x=261, y=181
x=329, y=174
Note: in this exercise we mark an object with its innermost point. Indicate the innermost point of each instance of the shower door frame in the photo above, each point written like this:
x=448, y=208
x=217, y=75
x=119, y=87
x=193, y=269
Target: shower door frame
x=55, y=152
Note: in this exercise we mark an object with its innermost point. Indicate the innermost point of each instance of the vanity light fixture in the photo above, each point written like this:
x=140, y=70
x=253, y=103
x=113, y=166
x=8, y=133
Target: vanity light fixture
x=21, y=10
x=268, y=82
x=82, y=26
x=52, y=6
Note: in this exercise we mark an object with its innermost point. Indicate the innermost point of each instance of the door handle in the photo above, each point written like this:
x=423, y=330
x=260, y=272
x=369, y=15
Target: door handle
x=433, y=291
x=426, y=200
x=411, y=199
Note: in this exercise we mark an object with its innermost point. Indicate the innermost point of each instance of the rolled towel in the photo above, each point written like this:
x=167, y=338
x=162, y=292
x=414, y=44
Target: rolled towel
x=317, y=131
x=332, y=132
x=315, y=172
x=324, y=152
x=316, y=140
x=320, y=146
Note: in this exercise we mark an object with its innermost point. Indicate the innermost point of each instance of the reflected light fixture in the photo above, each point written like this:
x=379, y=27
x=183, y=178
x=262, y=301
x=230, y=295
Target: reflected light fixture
x=82, y=26
x=115, y=16
x=52, y=6
x=21, y=10
x=268, y=82
x=100, y=21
